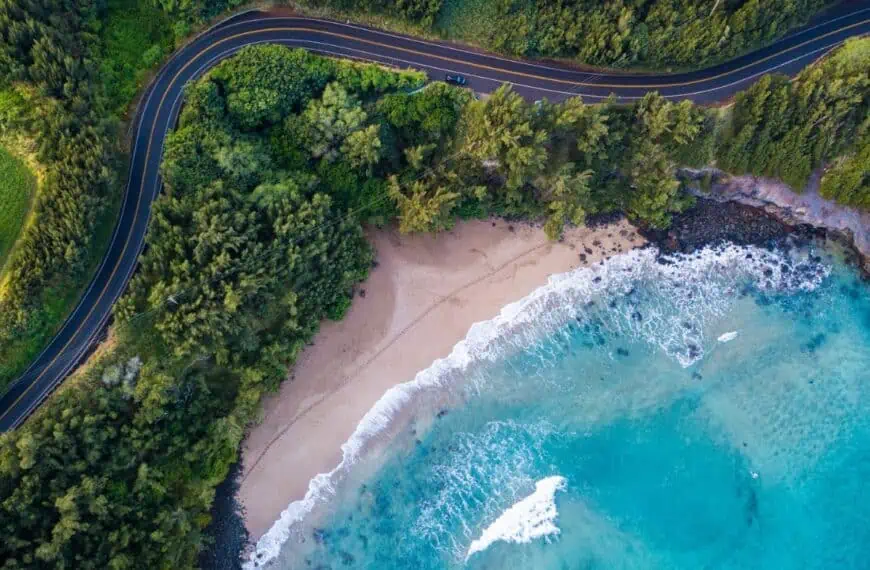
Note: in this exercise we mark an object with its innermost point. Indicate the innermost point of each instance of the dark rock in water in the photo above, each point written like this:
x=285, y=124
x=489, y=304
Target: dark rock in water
x=697, y=375
x=694, y=350
x=636, y=316
x=441, y=414
x=226, y=534
x=813, y=344
x=320, y=535
x=346, y=558
x=597, y=279
x=622, y=352
x=711, y=223
x=612, y=304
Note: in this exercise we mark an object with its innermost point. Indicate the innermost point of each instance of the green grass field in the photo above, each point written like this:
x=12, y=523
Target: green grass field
x=17, y=185
x=54, y=304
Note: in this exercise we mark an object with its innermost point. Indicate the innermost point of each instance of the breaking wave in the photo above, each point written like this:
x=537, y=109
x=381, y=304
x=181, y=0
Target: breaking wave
x=531, y=518
x=690, y=291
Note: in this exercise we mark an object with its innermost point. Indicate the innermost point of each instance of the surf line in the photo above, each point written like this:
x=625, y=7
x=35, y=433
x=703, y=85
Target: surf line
x=531, y=518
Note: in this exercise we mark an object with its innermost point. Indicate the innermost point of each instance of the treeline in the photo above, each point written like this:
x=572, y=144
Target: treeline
x=65, y=83
x=188, y=13
x=786, y=129
x=51, y=91
x=650, y=33
x=279, y=158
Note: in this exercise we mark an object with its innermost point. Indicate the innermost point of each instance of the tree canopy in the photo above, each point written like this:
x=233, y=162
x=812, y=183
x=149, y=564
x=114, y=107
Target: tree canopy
x=258, y=236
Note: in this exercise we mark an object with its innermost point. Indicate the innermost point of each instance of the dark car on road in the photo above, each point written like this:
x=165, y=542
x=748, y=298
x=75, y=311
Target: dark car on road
x=455, y=79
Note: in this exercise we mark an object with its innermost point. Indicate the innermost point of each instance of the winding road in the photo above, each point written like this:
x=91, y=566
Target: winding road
x=160, y=105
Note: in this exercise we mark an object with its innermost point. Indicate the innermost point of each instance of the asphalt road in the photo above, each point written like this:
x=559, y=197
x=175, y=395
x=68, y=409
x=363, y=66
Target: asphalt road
x=159, y=109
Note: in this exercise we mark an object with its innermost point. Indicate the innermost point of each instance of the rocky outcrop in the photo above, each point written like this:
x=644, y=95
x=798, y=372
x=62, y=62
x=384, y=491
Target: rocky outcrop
x=786, y=205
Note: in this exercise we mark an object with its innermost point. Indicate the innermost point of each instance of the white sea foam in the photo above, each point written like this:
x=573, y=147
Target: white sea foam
x=727, y=337
x=531, y=518
x=692, y=290
x=472, y=482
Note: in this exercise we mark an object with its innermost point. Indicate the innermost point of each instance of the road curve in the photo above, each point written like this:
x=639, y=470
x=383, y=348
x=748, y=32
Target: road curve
x=159, y=109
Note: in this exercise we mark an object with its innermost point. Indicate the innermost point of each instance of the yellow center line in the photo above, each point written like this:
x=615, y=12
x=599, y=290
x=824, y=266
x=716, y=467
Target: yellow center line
x=533, y=75
x=129, y=235
x=209, y=47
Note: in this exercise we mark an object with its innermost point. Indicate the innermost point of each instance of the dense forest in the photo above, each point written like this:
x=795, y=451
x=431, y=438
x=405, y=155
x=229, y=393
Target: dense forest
x=47, y=73
x=255, y=240
x=645, y=33
x=279, y=160
x=70, y=70
x=786, y=129
x=62, y=88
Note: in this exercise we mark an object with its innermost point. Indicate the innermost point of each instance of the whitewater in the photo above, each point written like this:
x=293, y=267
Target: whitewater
x=575, y=379
x=531, y=518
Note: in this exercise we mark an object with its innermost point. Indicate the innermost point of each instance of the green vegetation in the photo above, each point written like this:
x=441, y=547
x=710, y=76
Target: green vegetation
x=68, y=72
x=78, y=65
x=622, y=33
x=17, y=185
x=786, y=129
x=848, y=179
x=48, y=46
x=135, y=36
x=279, y=158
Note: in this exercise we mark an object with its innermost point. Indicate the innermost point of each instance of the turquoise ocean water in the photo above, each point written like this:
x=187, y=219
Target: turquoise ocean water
x=706, y=412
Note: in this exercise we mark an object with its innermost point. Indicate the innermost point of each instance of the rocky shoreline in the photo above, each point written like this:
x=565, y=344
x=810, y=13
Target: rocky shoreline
x=226, y=535
x=728, y=212
x=745, y=209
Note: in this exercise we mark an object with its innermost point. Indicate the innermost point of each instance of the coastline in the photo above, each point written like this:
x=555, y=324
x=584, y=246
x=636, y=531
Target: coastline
x=806, y=210
x=419, y=301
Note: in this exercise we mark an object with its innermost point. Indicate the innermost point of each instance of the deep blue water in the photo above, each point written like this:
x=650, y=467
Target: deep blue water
x=677, y=450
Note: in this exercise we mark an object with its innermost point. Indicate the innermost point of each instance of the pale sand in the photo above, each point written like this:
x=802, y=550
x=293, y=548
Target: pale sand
x=419, y=302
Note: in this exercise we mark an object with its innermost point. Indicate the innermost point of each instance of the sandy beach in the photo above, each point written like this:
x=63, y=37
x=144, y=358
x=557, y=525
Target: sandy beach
x=419, y=301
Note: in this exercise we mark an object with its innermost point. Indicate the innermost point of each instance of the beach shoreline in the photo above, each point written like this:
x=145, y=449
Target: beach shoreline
x=418, y=303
